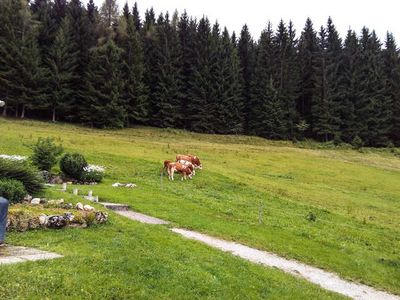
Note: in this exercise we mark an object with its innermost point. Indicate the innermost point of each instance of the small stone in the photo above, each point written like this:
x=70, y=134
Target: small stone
x=28, y=198
x=35, y=201
x=43, y=220
x=79, y=206
x=101, y=217
x=69, y=216
x=56, y=222
x=88, y=208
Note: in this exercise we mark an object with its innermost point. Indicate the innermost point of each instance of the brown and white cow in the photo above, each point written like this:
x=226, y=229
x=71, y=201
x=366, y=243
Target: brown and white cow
x=190, y=158
x=173, y=167
x=188, y=164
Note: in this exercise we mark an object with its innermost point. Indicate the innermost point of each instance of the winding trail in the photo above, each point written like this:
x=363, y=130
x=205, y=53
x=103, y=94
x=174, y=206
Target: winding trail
x=327, y=280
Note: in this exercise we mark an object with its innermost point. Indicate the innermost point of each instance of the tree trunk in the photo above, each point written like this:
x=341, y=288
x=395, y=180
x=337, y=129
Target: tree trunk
x=54, y=114
x=5, y=111
x=23, y=111
x=16, y=111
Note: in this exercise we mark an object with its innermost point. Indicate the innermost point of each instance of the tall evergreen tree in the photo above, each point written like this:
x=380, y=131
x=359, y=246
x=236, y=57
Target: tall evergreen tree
x=109, y=12
x=287, y=75
x=350, y=89
x=105, y=107
x=391, y=61
x=136, y=17
x=201, y=91
x=166, y=101
x=246, y=52
x=308, y=50
x=62, y=62
x=187, y=35
x=373, y=109
x=20, y=73
x=266, y=115
x=134, y=93
x=327, y=99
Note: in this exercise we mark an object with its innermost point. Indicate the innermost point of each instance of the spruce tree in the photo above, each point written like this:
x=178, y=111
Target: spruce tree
x=21, y=74
x=104, y=105
x=350, y=88
x=327, y=99
x=373, y=108
x=136, y=17
x=187, y=35
x=62, y=62
x=391, y=61
x=134, y=93
x=166, y=101
x=286, y=73
x=201, y=92
x=266, y=114
x=307, y=53
x=246, y=53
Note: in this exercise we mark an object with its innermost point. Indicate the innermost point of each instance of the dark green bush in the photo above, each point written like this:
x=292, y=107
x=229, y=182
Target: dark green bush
x=13, y=190
x=92, y=176
x=20, y=171
x=72, y=165
x=45, y=153
x=357, y=143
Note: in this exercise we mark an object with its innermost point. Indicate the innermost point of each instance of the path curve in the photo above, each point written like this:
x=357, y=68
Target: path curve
x=327, y=280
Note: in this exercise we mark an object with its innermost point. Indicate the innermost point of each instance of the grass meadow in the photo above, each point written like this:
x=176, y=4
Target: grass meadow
x=334, y=208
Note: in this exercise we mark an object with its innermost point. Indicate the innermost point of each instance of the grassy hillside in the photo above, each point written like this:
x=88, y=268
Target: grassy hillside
x=354, y=196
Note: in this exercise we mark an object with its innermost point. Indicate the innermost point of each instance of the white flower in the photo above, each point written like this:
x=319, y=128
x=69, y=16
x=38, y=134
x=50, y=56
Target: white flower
x=94, y=168
x=13, y=157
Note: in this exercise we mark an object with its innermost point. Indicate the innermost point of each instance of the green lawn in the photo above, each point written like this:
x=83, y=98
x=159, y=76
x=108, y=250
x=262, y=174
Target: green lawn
x=354, y=196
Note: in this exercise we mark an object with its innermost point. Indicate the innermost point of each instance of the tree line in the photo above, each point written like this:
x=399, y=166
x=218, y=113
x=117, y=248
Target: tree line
x=62, y=60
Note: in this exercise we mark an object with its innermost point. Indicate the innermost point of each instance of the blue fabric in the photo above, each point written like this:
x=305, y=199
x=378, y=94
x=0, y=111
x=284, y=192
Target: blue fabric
x=3, y=217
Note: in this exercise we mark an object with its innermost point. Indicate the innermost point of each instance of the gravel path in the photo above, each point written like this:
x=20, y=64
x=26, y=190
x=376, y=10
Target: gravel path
x=326, y=280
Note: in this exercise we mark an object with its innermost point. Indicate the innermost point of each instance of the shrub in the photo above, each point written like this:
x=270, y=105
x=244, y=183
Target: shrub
x=22, y=172
x=13, y=190
x=45, y=153
x=92, y=176
x=357, y=143
x=72, y=165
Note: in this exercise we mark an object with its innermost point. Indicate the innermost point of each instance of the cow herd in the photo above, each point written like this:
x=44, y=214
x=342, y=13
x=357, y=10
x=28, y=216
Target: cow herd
x=186, y=165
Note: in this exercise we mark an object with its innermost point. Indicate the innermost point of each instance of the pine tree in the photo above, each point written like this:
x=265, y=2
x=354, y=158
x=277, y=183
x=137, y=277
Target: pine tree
x=246, y=52
x=105, y=106
x=187, y=35
x=200, y=106
x=20, y=72
x=134, y=93
x=308, y=50
x=62, y=62
x=350, y=87
x=327, y=99
x=373, y=109
x=287, y=75
x=166, y=101
x=229, y=97
x=266, y=115
x=391, y=61
x=136, y=17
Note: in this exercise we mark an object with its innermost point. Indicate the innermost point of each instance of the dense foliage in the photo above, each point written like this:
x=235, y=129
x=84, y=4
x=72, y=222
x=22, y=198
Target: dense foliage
x=64, y=61
x=45, y=154
x=13, y=190
x=72, y=165
x=22, y=172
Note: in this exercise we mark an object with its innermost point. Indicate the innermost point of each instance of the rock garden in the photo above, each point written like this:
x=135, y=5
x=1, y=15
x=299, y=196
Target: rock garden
x=23, y=181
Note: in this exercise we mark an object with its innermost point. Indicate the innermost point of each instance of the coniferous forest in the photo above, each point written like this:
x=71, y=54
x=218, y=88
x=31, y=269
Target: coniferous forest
x=62, y=60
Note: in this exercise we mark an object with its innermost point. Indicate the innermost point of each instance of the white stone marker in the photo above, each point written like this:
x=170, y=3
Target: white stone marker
x=90, y=194
x=75, y=192
x=64, y=187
